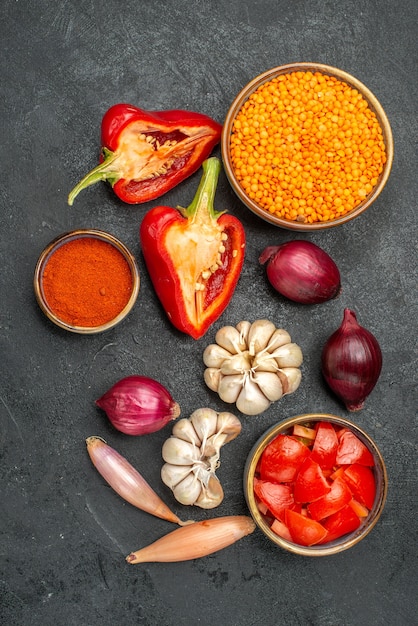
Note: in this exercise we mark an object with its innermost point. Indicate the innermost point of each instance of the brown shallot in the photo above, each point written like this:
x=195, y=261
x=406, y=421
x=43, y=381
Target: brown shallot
x=195, y=541
x=127, y=481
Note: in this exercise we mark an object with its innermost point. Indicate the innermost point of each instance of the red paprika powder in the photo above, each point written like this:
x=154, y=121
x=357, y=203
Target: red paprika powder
x=86, y=282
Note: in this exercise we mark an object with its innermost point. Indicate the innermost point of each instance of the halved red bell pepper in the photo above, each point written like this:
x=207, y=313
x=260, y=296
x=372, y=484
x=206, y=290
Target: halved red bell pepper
x=147, y=153
x=194, y=256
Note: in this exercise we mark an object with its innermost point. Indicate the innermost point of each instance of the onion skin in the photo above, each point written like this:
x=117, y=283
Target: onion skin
x=138, y=405
x=351, y=362
x=195, y=541
x=301, y=271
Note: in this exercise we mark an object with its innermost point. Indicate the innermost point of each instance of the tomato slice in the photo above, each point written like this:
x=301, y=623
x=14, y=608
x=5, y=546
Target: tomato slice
x=338, y=496
x=362, y=483
x=276, y=497
x=325, y=446
x=340, y=523
x=282, y=459
x=310, y=483
x=352, y=450
x=303, y=530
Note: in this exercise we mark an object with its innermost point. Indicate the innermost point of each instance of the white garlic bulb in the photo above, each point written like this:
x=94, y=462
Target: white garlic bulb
x=252, y=365
x=192, y=456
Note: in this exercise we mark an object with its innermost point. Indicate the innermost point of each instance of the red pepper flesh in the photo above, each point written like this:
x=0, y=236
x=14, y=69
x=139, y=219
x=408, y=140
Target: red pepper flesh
x=194, y=256
x=147, y=153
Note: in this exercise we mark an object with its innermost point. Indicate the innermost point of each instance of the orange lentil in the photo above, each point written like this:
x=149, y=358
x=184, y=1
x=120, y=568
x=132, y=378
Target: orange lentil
x=307, y=147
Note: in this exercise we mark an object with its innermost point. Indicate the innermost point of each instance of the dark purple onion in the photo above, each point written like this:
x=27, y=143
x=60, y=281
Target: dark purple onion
x=302, y=271
x=351, y=362
x=138, y=405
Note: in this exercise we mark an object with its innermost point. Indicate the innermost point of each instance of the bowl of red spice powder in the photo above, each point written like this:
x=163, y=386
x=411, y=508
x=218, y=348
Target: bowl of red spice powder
x=307, y=146
x=86, y=281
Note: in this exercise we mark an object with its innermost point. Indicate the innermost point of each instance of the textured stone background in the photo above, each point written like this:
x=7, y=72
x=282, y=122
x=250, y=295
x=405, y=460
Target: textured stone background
x=64, y=534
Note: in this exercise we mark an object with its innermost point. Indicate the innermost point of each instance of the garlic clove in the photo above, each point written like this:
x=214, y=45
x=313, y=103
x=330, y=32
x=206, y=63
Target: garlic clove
x=279, y=338
x=228, y=424
x=214, y=355
x=230, y=338
x=259, y=335
x=212, y=495
x=212, y=377
x=236, y=364
x=188, y=490
x=184, y=429
x=289, y=355
x=291, y=378
x=171, y=475
x=230, y=387
x=243, y=328
x=179, y=452
x=265, y=362
x=251, y=400
x=269, y=384
x=204, y=422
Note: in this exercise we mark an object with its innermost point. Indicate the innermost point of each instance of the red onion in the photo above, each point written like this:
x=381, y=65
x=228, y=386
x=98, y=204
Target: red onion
x=137, y=405
x=351, y=362
x=302, y=271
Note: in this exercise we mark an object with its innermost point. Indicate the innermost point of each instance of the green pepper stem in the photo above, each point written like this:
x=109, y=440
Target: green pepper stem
x=203, y=202
x=101, y=172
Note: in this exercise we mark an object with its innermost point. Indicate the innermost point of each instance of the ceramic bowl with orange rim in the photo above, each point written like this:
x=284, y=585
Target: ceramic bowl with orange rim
x=86, y=281
x=356, y=493
x=307, y=146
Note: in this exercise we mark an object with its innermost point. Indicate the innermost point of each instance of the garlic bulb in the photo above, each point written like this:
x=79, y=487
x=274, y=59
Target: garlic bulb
x=192, y=454
x=252, y=365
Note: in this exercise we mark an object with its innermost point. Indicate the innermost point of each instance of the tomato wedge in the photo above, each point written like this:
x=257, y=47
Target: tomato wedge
x=282, y=459
x=310, y=483
x=276, y=497
x=362, y=483
x=340, y=523
x=325, y=446
x=303, y=530
x=338, y=496
x=352, y=450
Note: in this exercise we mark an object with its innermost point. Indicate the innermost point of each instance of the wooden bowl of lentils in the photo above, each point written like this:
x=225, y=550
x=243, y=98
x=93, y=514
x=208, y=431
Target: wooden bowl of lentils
x=307, y=146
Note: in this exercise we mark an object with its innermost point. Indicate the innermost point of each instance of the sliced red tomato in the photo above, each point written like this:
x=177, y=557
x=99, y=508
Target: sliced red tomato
x=276, y=497
x=362, y=483
x=340, y=523
x=338, y=496
x=281, y=529
x=352, y=450
x=282, y=459
x=303, y=530
x=310, y=483
x=325, y=446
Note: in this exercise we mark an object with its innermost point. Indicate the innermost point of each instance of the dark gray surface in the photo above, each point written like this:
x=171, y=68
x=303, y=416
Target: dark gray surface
x=64, y=534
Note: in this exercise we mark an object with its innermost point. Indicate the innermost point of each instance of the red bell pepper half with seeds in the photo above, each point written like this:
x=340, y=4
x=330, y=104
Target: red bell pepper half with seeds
x=147, y=153
x=194, y=256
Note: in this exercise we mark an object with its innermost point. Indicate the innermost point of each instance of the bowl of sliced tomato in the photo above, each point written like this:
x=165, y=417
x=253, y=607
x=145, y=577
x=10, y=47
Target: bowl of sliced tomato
x=315, y=484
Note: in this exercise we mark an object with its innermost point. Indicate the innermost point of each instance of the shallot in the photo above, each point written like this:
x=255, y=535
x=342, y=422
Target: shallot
x=127, y=481
x=138, y=405
x=302, y=271
x=195, y=541
x=351, y=362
